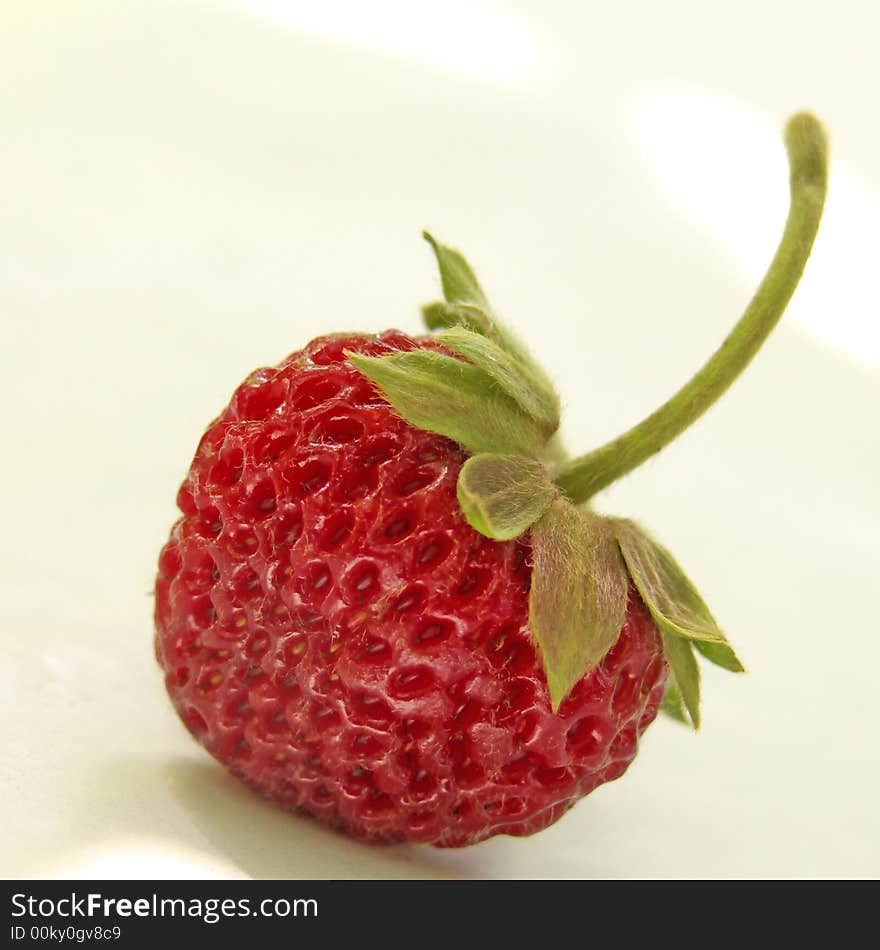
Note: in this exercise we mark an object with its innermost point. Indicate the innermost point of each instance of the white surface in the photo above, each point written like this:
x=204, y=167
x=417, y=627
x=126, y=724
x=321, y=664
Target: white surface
x=190, y=190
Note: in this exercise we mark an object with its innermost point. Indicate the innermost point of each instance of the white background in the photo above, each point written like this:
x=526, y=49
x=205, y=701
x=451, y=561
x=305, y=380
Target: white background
x=190, y=190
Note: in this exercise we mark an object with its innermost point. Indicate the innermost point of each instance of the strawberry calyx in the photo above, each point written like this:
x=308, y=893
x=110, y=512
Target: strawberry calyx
x=487, y=393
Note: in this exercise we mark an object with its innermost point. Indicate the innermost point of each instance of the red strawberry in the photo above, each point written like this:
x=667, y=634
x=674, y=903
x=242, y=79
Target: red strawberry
x=386, y=602
x=336, y=632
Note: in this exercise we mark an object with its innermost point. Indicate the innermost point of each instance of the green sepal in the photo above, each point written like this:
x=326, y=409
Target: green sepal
x=671, y=597
x=467, y=306
x=578, y=597
x=672, y=704
x=453, y=398
x=721, y=654
x=442, y=315
x=530, y=392
x=685, y=672
x=460, y=284
x=503, y=495
x=681, y=614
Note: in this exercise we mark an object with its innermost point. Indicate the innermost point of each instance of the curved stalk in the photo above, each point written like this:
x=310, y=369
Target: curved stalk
x=807, y=149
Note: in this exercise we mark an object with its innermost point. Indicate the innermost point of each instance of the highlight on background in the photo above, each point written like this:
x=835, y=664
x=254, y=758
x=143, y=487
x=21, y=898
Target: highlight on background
x=722, y=163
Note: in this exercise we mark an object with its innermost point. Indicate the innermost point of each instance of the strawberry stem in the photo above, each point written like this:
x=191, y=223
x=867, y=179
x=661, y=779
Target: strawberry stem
x=807, y=148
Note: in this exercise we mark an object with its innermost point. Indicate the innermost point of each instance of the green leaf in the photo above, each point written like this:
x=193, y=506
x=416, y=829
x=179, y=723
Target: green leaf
x=680, y=655
x=442, y=315
x=671, y=597
x=457, y=399
x=503, y=495
x=672, y=704
x=460, y=284
x=578, y=597
x=468, y=307
x=721, y=654
x=527, y=390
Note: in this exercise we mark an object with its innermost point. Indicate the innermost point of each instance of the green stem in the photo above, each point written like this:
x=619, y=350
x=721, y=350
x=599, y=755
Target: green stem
x=807, y=149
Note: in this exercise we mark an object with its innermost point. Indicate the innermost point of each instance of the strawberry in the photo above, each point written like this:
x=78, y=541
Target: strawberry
x=336, y=632
x=388, y=602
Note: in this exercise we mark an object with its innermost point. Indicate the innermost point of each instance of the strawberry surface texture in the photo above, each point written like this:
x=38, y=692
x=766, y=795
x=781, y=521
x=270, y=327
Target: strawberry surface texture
x=334, y=631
